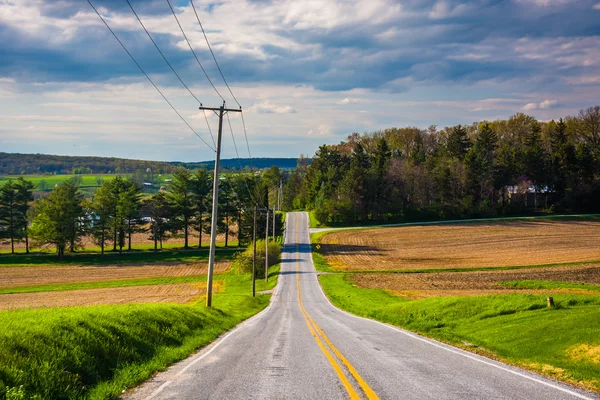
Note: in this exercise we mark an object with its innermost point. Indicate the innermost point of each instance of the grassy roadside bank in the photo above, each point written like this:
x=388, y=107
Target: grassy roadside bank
x=562, y=342
x=97, y=352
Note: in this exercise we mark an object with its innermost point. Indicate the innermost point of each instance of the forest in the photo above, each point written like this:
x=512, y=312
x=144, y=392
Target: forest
x=506, y=167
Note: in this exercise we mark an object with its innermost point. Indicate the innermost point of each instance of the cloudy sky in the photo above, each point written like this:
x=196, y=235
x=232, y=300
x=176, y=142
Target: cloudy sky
x=306, y=72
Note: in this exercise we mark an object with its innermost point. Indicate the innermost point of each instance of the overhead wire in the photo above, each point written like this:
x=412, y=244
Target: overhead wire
x=224, y=80
x=170, y=66
x=193, y=52
x=239, y=160
x=213, y=54
x=149, y=79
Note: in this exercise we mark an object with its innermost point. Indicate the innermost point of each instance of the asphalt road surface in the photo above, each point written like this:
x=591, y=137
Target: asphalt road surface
x=302, y=347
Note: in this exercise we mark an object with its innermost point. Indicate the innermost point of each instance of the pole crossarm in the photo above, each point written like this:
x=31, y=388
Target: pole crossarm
x=218, y=109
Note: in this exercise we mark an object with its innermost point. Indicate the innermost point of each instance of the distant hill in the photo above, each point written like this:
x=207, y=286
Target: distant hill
x=234, y=163
x=18, y=164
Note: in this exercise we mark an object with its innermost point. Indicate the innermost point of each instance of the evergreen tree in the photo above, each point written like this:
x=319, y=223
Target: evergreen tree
x=102, y=215
x=9, y=213
x=458, y=142
x=181, y=198
x=24, y=198
x=60, y=218
x=200, y=187
x=129, y=208
x=160, y=211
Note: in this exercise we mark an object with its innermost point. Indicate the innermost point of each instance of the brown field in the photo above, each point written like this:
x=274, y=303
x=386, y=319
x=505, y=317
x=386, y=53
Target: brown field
x=46, y=275
x=174, y=293
x=465, y=245
x=423, y=285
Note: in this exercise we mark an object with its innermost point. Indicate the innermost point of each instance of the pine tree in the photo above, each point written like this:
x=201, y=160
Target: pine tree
x=458, y=142
x=200, y=187
x=9, y=213
x=60, y=218
x=24, y=198
x=181, y=198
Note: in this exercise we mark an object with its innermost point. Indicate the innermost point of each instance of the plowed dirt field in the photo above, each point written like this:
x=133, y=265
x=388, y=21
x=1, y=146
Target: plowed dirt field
x=45, y=275
x=466, y=245
x=423, y=285
x=174, y=293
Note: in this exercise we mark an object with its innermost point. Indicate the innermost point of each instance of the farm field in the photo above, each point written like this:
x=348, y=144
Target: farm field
x=92, y=326
x=464, y=245
x=11, y=277
x=581, y=279
x=480, y=286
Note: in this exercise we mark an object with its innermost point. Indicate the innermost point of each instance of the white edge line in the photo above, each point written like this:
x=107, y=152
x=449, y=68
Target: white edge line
x=218, y=342
x=449, y=348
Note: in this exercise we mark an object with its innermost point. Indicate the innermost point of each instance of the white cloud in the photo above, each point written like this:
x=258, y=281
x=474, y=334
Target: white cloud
x=597, y=6
x=544, y=105
x=348, y=100
x=266, y=107
x=322, y=130
x=548, y=104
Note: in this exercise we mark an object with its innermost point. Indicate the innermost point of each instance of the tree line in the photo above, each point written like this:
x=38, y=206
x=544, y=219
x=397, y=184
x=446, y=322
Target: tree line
x=19, y=164
x=118, y=210
x=492, y=168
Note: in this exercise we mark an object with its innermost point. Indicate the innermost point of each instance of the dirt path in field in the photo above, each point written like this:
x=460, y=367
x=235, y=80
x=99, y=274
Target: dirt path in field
x=46, y=275
x=463, y=245
x=175, y=293
x=423, y=285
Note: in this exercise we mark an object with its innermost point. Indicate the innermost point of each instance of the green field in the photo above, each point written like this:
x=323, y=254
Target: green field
x=97, y=352
x=87, y=181
x=136, y=257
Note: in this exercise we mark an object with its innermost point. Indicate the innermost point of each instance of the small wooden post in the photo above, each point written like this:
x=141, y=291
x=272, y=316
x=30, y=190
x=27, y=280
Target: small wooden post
x=550, y=301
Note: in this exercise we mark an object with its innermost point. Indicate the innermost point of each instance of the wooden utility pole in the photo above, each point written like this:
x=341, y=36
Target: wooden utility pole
x=267, y=249
x=274, y=225
x=254, y=254
x=221, y=111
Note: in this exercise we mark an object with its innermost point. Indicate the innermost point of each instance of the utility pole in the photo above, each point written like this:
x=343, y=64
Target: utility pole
x=274, y=225
x=254, y=254
x=221, y=111
x=267, y=248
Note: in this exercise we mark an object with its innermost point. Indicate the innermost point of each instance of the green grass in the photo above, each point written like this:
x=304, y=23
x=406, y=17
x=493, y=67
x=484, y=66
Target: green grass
x=59, y=287
x=539, y=284
x=96, y=352
x=114, y=258
x=516, y=328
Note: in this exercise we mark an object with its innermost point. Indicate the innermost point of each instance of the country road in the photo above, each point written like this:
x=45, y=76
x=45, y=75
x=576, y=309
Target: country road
x=302, y=347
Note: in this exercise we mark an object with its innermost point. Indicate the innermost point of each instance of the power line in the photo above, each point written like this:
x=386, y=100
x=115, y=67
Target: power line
x=147, y=77
x=222, y=76
x=246, y=136
x=170, y=66
x=240, y=162
x=194, y=53
x=213, y=54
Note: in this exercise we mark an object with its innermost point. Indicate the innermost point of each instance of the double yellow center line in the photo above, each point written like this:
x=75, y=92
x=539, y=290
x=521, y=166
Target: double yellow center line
x=328, y=348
